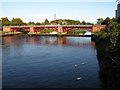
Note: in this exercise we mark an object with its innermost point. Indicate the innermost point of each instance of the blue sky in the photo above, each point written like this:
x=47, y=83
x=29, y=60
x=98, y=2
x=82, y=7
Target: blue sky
x=39, y=11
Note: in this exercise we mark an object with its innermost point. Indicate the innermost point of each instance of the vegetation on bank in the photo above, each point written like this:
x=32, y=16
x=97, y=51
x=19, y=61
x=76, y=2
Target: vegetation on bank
x=46, y=31
x=108, y=52
x=70, y=22
x=23, y=31
x=19, y=22
x=111, y=34
x=76, y=32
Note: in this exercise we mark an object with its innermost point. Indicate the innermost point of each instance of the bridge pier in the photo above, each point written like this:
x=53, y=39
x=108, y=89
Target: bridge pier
x=31, y=29
x=60, y=29
x=6, y=29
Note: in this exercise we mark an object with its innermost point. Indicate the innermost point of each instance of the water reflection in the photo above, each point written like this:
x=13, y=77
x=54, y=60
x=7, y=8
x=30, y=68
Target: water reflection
x=49, y=62
x=48, y=40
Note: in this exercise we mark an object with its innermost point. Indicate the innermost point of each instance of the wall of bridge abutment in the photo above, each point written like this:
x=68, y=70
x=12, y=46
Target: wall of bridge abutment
x=96, y=28
x=6, y=28
x=60, y=28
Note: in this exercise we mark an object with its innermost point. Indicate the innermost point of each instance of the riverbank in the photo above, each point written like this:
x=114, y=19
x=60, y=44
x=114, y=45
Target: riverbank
x=41, y=34
x=9, y=33
x=59, y=35
x=109, y=63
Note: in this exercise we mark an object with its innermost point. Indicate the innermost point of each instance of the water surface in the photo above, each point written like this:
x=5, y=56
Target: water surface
x=49, y=62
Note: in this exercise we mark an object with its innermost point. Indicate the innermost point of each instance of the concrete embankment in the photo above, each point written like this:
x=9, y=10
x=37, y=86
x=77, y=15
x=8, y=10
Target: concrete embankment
x=9, y=33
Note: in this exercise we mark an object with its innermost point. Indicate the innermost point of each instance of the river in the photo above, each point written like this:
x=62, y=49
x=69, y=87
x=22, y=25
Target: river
x=49, y=62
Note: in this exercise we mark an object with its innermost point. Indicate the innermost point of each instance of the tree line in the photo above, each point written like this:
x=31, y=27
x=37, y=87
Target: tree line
x=70, y=22
x=19, y=22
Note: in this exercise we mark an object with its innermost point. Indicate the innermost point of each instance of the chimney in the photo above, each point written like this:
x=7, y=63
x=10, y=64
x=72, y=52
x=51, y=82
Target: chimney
x=54, y=16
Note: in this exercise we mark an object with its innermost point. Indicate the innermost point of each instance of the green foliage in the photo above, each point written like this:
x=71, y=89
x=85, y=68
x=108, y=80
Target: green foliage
x=108, y=52
x=5, y=21
x=100, y=21
x=38, y=23
x=31, y=23
x=70, y=22
x=101, y=34
x=46, y=31
x=16, y=22
x=22, y=30
x=83, y=23
x=112, y=36
x=106, y=21
x=46, y=21
x=76, y=32
x=19, y=22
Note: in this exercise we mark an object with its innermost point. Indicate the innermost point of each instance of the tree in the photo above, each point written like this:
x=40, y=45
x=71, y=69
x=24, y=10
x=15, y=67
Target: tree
x=111, y=34
x=24, y=31
x=31, y=23
x=46, y=21
x=38, y=23
x=16, y=22
x=24, y=23
x=100, y=21
x=5, y=21
x=106, y=21
x=46, y=31
x=83, y=23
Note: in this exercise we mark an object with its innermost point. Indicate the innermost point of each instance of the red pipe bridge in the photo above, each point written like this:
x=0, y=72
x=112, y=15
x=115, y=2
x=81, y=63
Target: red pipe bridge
x=57, y=28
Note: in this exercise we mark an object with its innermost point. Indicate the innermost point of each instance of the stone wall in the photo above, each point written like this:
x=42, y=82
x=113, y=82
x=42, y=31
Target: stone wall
x=98, y=28
x=6, y=28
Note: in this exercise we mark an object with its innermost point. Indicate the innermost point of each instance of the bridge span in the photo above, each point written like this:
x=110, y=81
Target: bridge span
x=58, y=28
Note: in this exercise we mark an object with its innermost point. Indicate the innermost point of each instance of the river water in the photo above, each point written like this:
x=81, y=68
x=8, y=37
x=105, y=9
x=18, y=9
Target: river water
x=49, y=62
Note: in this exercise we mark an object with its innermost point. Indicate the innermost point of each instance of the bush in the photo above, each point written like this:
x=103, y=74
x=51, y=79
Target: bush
x=46, y=31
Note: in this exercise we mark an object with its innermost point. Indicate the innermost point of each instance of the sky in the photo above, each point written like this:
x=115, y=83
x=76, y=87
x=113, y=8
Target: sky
x=38, y=11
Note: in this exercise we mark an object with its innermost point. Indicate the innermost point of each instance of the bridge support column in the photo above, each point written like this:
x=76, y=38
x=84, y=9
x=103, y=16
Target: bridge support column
x=6, y=29
x=31, y=29
x=60, y=30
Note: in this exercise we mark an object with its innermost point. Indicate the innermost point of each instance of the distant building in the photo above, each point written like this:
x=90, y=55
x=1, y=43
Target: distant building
x=54, y=17
x=118, y=11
